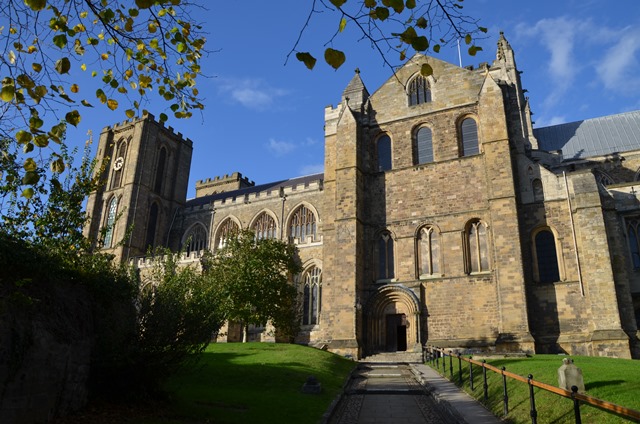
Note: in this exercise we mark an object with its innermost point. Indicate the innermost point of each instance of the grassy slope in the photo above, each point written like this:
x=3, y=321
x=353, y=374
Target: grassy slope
x=613, y=380
x=256, y=382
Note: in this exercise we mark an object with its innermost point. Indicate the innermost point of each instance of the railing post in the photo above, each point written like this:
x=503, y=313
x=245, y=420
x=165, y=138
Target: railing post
x=470, y=374
x=576, y=404
x=504, y=392
x=532, y=401
x=451, y=365
x=485, y=386
x=444, y=363
x=459, y=369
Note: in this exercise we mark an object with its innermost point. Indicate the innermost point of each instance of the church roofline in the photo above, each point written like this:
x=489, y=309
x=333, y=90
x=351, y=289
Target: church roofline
x=276, y=188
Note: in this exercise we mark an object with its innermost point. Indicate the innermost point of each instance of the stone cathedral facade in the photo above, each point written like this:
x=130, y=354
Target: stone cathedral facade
x=442, y=217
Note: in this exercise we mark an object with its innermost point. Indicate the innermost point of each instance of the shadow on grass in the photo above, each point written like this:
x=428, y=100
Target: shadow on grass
x=596, y=384
x=259, y=383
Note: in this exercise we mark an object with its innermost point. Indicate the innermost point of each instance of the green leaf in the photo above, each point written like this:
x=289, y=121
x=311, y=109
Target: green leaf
x=420, y=44
x=381, y=13
x=112, y=104
x=100, y=95
x=27, y=193
x=60, y=40
x=343, y=24
x=436, y=48
x=473, y=50
x=408, y=36
x=421, y=22
x=30, y=178
x=41, y=140
x=86, y=103
x=483, y=29
x=36, y=5
x=30, y=165
x=130, y=113
x=370, y=3
x=397, y=5
x=8, y=93
x=426, y=70
x=73, y=118
x=144, y=4
x=467, y=39
x=335, y=58
x=27, y=148
x=57, y=166
x=63, y=65
x=306, y=58
x=181, y=47
x=23, y=136
x=411, y=4
x=36, y=67
x=163, y=117
x=338, y=3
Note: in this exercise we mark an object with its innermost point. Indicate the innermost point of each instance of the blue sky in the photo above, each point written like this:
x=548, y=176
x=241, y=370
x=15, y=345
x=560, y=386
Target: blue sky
x=581, y=59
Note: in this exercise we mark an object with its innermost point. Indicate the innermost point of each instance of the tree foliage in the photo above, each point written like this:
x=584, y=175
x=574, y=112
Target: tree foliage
x=178, y=314
x=252, y=280
x=129, y=49
x=398, y=26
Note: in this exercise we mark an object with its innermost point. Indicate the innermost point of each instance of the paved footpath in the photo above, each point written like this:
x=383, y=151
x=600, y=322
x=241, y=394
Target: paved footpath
x=405, y=394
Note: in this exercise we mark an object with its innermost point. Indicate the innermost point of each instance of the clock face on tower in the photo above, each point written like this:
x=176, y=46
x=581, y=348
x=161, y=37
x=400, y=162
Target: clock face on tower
x=117, y=164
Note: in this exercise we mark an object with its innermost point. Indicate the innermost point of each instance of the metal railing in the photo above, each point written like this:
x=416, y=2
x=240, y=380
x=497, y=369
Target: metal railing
x=435, y=356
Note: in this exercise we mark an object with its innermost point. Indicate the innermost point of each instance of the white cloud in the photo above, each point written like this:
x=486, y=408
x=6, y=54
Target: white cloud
x=557, y=36
x=554, y=120
x=312, y=169
x=250, y=93
x=618, y=70
x=280, y=148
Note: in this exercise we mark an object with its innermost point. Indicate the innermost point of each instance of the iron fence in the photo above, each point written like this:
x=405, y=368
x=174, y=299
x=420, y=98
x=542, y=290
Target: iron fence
x=437, y=356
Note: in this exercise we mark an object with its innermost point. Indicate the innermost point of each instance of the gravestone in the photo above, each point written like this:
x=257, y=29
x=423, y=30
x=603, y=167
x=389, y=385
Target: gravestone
x=311, y=386
x=570, y=375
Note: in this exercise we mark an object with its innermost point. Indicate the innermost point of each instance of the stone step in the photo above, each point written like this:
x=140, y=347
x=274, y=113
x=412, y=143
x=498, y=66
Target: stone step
x=394, y=357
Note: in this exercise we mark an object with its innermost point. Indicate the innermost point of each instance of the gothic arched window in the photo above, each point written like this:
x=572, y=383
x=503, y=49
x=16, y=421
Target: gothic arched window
x=162, y=158
x=423, y=146
x=383, y=147
x=419, y=91
x=538, y=190
x=469, y=137
x=311, y=296
x=385, y=260
x=152, y=226
x=196, y=239
x=477, y=247
x=112, y=212
x=264, y=227
x=428, y=252
x=633, y=225
x=227, y=229
x=303, y=224
x=546, y=257
x=118, y=164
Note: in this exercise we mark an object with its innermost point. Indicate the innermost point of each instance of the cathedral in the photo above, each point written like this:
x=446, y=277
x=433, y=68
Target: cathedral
x=442, y=217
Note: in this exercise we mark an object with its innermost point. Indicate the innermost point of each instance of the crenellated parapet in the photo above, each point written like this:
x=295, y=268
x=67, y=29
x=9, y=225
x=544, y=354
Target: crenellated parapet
x=222, y=184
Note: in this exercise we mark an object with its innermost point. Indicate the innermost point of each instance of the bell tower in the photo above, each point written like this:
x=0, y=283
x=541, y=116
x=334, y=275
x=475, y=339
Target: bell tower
x=144, y=169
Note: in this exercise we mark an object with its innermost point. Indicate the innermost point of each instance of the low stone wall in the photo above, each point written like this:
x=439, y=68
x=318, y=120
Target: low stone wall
x=46, y=338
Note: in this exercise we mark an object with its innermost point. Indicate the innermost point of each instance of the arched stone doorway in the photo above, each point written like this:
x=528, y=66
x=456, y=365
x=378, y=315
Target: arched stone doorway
x=392, y=317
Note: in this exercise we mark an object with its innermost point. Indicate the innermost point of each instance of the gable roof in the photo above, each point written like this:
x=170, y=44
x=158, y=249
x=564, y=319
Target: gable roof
x=592, y=137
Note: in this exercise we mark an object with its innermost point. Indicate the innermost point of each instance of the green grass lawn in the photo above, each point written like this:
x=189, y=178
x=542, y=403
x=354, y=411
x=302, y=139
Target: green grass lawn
x=255, y=383
x=613, y=380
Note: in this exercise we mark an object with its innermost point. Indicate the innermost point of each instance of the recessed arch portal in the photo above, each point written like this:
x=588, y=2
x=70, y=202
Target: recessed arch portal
x=392, y=320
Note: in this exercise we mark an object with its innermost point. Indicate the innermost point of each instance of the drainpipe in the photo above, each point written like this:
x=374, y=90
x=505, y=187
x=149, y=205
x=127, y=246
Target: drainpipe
x=573, y=233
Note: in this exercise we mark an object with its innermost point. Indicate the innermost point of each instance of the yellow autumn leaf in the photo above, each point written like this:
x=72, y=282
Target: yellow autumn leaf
x=104, y=56
x=112, y=104
x=74, y=88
